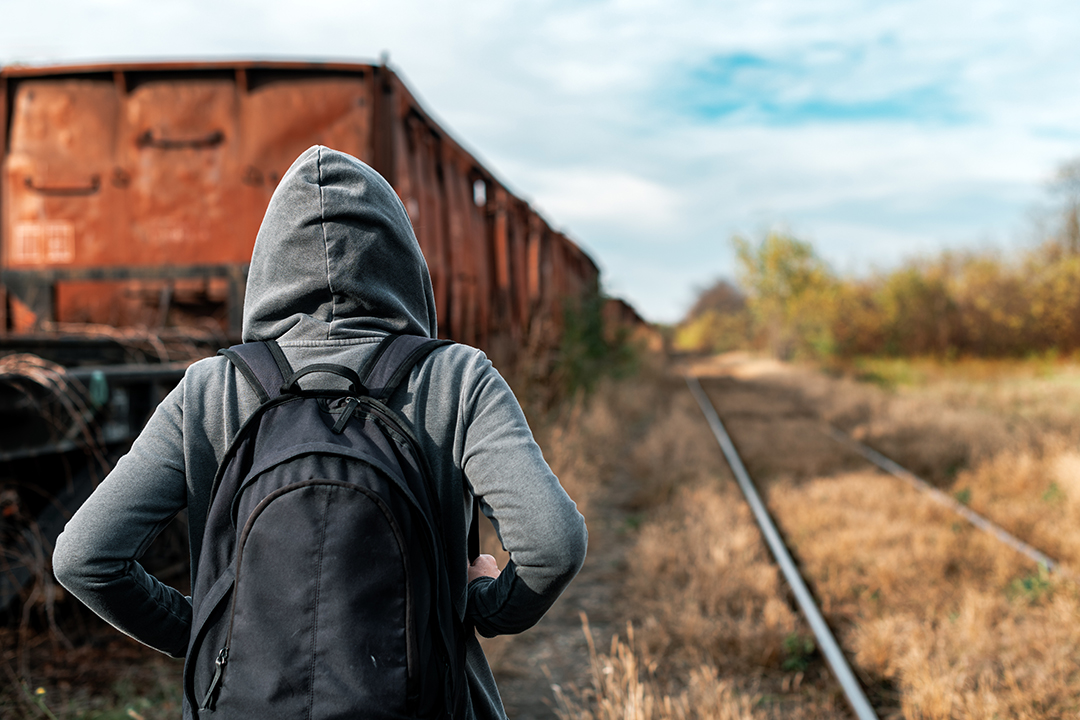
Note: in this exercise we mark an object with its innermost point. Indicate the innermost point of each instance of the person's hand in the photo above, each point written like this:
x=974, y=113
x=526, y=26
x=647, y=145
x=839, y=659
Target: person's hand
x=483, y=566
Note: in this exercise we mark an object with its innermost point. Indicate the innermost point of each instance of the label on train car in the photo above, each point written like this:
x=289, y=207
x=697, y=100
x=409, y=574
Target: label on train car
x=49, y=242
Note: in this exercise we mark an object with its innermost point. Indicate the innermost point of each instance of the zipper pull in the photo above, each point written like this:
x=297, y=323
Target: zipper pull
x=222, y=659
x=339, y=426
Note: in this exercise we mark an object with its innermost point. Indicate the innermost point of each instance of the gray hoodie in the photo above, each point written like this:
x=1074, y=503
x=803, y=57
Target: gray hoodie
x=335, y=267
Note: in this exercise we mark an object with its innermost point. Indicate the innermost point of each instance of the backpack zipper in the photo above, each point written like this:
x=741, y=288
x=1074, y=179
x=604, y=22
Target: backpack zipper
x=350, y=407
x=223, y=654
x=222, y=659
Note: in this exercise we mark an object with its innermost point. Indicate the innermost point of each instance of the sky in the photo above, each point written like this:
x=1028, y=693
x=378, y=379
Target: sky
x=652, y=132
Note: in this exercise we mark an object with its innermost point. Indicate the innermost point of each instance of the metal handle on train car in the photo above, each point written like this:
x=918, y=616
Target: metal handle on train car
x=65, y=190
x=209, y=140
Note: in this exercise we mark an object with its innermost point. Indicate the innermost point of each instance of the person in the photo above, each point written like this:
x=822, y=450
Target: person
x=335, y=267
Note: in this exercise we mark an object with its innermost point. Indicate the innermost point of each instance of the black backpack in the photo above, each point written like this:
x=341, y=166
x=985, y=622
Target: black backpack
x=322, y=590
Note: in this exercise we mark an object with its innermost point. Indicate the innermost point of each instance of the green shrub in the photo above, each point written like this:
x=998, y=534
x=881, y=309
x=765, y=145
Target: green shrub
x=590, y=348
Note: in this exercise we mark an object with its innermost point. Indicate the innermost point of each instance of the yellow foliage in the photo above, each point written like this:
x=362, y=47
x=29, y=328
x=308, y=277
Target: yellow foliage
x=980, y=305
x=712, y=331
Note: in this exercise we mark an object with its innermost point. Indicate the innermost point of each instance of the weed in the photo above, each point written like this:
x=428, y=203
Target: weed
x=889, y=373
x=1031, y=588
x=1053, y=495
x=624, y=687
x=37, y=699
x=590, y=348
x=875, y=378
x=798, y=652
x=953, y=469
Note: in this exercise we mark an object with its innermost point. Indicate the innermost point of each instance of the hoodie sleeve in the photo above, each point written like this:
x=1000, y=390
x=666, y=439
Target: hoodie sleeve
x=538, y=523
x=96, y=557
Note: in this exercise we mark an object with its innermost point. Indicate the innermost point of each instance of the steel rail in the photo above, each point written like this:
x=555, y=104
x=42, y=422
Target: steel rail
x=826, y=641
x=952, y=503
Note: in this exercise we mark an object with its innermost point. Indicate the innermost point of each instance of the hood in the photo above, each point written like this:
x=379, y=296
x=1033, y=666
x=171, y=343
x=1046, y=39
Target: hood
x=336, y=258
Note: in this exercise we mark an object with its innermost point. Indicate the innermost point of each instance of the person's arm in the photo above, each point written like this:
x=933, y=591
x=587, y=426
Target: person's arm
x=96, y=557
x=539, y=525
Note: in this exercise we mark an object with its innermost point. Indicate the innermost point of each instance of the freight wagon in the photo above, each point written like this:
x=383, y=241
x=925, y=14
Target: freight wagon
x=130, y=197
x=132, y=194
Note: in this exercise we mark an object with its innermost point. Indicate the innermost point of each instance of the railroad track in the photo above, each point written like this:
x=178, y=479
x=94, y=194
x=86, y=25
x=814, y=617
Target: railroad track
x=830, y=649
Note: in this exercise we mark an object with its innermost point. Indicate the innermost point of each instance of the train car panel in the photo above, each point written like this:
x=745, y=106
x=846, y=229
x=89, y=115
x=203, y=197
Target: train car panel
x=4, y=322
x=464, y=227
x=179, y=148
x=284, y=115
x=518, y=232
x=56, y=189
x=500, y=325
x=59, y=207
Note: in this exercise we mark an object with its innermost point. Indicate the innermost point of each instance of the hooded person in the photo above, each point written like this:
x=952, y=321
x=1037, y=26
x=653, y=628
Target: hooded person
x=335, y=268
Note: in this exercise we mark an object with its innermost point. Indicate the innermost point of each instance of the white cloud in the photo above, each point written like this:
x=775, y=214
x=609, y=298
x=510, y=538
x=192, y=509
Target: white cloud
x=614, y=198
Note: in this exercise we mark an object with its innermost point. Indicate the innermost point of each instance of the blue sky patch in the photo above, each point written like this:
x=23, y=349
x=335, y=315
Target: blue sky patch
x=827, y=84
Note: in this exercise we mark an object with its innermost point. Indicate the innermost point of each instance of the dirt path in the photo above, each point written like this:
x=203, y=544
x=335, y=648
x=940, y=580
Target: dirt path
x=594, y=449
x=555, y=651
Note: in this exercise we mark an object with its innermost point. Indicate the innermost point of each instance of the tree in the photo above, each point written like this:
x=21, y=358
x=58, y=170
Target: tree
x=791, y=294
x=1066, y=185
x=716, y=323
x=721, y=297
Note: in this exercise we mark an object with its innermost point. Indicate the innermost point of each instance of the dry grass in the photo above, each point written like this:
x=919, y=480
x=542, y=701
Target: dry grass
x=112, y=679
x=955, y=623
x=708, y=588
x=587, y=443
x=624, y=688
x=961, y=625
x=711, y=633
x=1001, y=435
x=941, y=620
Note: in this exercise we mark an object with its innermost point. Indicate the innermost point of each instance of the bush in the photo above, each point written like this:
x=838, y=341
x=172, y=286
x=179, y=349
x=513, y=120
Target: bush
x=980, y=305
x=591, y=348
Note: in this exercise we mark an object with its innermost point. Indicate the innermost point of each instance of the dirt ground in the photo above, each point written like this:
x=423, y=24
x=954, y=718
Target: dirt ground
x=555, y=651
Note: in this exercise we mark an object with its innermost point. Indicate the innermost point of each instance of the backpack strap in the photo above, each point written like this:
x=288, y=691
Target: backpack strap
x=263, y=365
x=474, y=531
x=393, y=359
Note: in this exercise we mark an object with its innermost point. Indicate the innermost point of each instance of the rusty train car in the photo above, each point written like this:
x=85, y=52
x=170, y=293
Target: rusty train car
x=130, y=197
